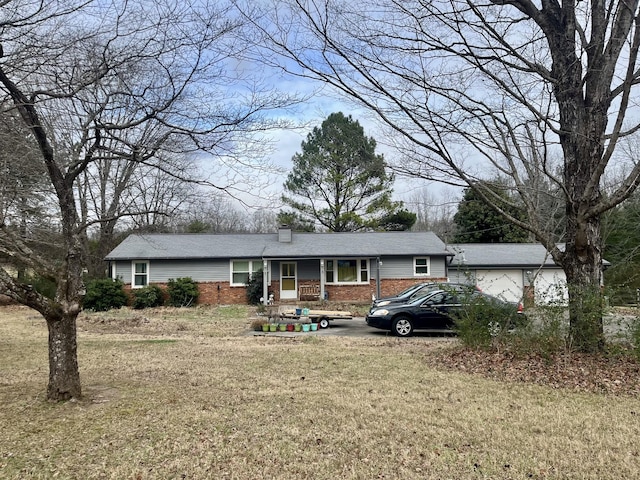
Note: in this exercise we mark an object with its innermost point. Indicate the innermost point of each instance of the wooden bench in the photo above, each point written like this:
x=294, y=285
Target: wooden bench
x=309, y=292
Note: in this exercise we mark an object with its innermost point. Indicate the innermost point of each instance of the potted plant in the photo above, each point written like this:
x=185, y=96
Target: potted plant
x=273, y=327
x=297, y=327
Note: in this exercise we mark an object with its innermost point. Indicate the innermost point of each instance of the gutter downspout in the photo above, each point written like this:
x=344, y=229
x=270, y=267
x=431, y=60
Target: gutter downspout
x=378, y=263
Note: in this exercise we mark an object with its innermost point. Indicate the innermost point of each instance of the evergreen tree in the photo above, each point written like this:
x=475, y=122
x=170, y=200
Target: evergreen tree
x=338, y=180
x=477, y=222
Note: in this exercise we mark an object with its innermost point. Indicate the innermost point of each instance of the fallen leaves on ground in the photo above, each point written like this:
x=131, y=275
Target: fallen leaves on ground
x=598, y=373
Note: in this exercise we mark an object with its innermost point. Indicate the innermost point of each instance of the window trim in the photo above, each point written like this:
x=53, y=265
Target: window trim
x=359, y=270
x=251, y=270
x=134, y=273
x=415, y=266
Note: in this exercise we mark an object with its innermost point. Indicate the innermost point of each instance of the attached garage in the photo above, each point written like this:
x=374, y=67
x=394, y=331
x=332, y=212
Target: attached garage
x=513, y=271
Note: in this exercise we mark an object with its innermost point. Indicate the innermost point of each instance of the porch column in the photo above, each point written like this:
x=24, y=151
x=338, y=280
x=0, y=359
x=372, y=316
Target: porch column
x=265, y=282
x=322, y=279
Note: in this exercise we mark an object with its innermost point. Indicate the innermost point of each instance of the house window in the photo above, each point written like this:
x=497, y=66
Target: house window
x=241, y=270
x=364, y=271
x=348, y=270
x=140, y=274
x=421, y=266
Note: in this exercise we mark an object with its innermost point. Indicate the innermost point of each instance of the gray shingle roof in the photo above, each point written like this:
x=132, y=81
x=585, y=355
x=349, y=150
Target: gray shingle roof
x=501, y=254
x=266, y=245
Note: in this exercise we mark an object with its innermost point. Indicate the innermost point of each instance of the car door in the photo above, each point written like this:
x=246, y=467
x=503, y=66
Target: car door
x=432, y=314
x=450, y=308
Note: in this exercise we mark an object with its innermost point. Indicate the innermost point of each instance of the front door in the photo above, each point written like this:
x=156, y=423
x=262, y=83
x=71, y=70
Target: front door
x=288, y=281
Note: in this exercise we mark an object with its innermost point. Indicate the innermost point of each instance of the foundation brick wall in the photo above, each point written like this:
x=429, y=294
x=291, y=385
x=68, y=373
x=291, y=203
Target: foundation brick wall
x=391, y=286
x=221, y=293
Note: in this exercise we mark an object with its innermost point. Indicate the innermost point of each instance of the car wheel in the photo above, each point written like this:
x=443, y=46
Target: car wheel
x=323, y=323
x=494, y=328
x=402, y=327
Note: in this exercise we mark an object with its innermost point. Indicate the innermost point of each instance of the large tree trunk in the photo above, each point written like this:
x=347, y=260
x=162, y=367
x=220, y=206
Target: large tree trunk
x=582, y=263
x=64, y=376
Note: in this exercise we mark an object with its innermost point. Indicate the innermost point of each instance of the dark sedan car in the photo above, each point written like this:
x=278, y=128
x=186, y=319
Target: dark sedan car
x=437, y=312
x=421, y=290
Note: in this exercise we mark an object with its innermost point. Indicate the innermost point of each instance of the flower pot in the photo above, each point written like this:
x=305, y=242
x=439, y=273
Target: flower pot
x=290, y=327
x=265, y=327
x=314, y=327
x=282, y=327
x=273, y=327
x=297, y=327
x=306, y=327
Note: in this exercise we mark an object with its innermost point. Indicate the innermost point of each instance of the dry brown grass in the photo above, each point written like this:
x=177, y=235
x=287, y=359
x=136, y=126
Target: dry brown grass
x=189, y=394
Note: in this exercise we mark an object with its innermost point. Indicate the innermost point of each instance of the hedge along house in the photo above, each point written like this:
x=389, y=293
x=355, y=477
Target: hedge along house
x=298, y=266
x=513, y=271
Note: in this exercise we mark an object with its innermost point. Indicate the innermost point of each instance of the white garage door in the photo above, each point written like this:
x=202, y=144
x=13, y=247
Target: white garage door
x=506, y=284
x=551, y=287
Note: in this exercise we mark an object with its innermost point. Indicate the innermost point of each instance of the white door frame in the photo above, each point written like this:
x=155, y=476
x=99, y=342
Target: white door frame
x=289, y=294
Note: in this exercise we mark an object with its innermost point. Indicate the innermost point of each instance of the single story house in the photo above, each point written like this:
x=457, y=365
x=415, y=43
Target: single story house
x=298, y=266
x=513, y=271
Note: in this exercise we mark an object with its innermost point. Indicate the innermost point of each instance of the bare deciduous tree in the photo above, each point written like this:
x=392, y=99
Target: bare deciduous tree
x=125, y=82
x=434, y=211
x=476, y=90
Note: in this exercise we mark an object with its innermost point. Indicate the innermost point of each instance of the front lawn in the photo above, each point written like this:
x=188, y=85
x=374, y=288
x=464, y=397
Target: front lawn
x=186, y=393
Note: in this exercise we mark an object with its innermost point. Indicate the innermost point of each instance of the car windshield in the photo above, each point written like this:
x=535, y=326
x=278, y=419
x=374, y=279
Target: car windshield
x=424, y=291
x=407, y=291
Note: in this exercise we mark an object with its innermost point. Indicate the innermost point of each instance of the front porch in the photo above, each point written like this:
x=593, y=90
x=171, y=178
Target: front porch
x=317, y=279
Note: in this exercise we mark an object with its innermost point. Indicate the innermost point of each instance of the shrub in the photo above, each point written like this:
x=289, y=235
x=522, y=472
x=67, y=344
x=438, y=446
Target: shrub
x=148, y=297
x=183, y=292
x=254, y=288
x=104, y=294
x=484, y=323
x=634, y=336
x=43, y=286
